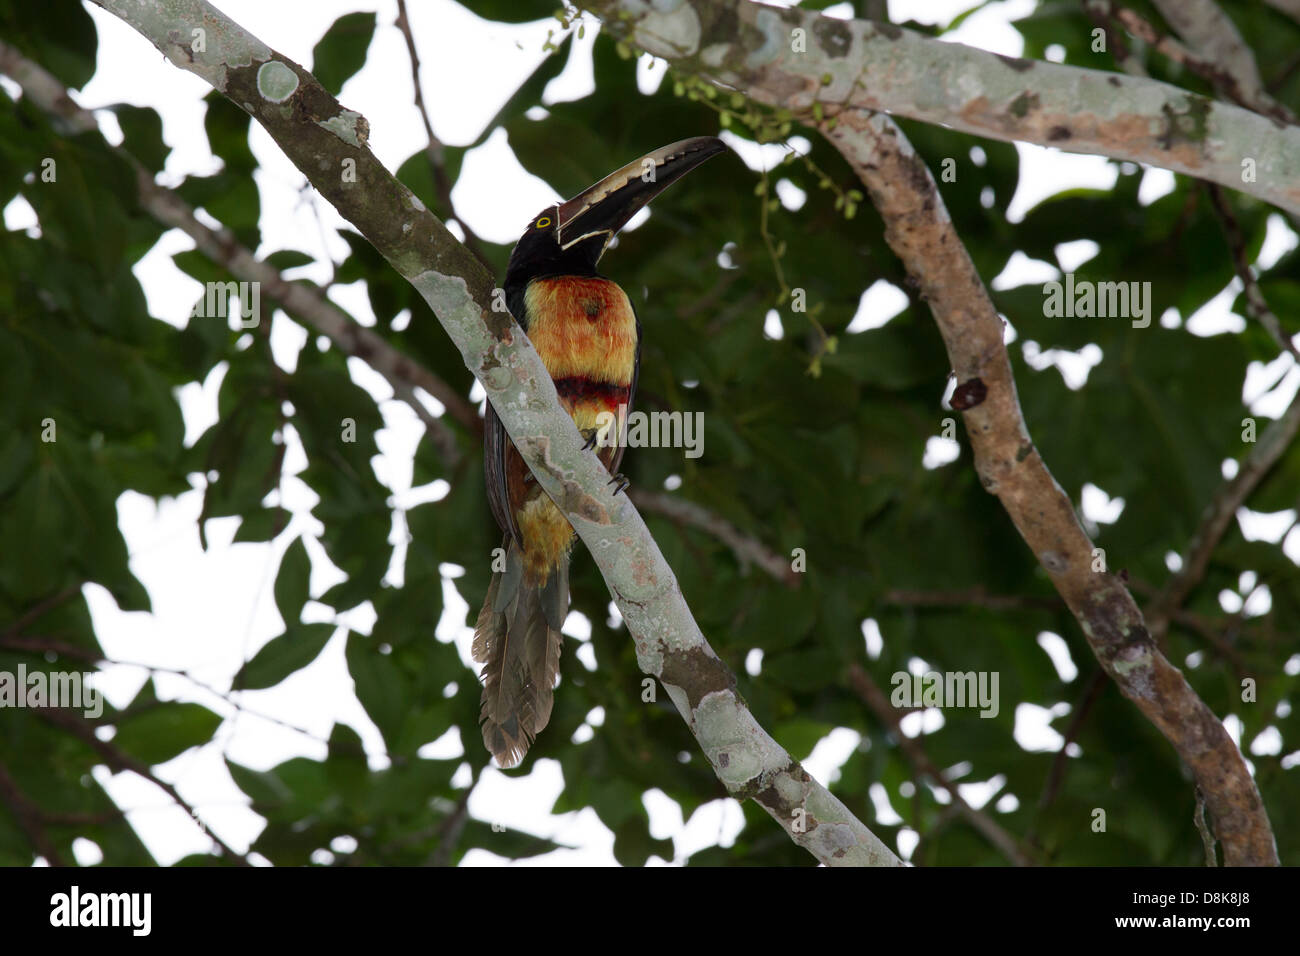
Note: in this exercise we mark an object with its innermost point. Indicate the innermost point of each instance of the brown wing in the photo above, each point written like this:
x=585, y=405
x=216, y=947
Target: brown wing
x=497, y=450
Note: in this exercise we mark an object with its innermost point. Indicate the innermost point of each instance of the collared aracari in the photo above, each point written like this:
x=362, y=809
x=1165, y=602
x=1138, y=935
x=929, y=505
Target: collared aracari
x=587, y=333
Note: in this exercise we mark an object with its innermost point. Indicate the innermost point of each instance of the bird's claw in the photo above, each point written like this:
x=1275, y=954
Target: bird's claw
x=621, y=481
x=591, y=440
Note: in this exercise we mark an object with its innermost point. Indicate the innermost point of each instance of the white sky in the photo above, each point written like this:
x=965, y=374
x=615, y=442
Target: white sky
x=212, y=610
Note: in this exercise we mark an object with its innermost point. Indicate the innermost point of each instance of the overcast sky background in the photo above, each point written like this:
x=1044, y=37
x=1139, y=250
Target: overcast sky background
x=213, y=610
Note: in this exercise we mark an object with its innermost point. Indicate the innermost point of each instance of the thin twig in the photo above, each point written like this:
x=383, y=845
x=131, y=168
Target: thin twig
x=41, y=644
x=975, y=597
x=39, y=609
x=1256, y=304
x=1218, y=516
x=875, y=698
x=435, y=150
x=748, y=550
x=117, y=759
x=27, y=814
x=452, y=827
x=1056, y=776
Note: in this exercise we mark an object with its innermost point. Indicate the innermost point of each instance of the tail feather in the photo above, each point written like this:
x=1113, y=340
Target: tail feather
x=517, y=639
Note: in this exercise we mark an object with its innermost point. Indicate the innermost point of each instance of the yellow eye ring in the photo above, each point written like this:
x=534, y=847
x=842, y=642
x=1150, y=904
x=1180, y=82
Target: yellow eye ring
x=543, y=222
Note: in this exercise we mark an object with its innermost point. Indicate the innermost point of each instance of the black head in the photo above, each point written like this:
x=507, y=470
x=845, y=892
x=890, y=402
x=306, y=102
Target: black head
x=568, y=238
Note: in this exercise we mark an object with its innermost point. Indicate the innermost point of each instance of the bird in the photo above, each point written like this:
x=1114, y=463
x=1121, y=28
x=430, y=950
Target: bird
x=587, y=333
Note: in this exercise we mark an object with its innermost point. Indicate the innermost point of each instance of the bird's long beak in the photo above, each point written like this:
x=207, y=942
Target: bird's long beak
x=606, y=207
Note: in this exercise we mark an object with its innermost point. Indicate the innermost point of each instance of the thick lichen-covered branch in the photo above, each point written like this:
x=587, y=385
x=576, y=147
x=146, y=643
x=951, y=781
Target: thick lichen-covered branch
x=922, y=236
x=855, y=63
x=799, y=60
x=328, y=144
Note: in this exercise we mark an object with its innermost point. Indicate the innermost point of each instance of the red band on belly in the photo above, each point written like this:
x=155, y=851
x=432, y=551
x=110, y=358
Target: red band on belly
x=578, y=390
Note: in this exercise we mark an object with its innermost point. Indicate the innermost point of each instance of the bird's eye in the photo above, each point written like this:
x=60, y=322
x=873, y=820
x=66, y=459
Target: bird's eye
x=543, y=222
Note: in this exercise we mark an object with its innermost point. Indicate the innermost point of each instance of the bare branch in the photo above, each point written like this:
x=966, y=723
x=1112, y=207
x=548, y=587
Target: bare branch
x=1221, y=50
x=1092, y=689
x=27, y=814
x=973, y=597
x=921, y=234
x=118, y=759
x=304, y=302
x=1218, y=516
x=875, y=698
x=878, y=66
x=747, y=550
x=1256, y=304
x=435, y=150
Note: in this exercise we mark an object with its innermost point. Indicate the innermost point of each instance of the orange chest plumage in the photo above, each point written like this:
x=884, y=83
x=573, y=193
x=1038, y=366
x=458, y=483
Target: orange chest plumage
x=583, y=328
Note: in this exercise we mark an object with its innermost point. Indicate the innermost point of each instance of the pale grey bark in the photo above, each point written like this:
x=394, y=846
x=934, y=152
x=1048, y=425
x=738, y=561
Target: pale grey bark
x=831, y=64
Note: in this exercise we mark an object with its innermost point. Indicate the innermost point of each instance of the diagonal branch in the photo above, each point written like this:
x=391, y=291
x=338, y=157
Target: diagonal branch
x=1256, y=304
x=875, y=698
x=1218, y=516
x=748, y=550
x=750, y=46
x=323, y=140
x=117, y=759
x=921, y=234
x=1219, y=46
x=303, y=301
x=434, y=150
x=1230, y=70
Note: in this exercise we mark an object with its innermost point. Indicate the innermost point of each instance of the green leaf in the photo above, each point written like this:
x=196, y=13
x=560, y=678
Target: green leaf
x=142, y=135
x=342, y=51
x=165, y=729
x=291, y=583
x=512, y=11
x=284, y=259
x=298, y=646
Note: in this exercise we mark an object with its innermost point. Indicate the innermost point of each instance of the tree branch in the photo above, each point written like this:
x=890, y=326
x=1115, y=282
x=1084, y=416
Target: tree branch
x=1290, y=8
x=27, y=814
x=1218, y=516
x=117, y=759
x=304, y=302
x=322, y=139
x=748, y=550
x=434, y=150
x=1245, y=93
x=1256, y=304
x=875, y=698
x=877, y=66
x=1221, y=50
x=745, y=44
x=921, y=234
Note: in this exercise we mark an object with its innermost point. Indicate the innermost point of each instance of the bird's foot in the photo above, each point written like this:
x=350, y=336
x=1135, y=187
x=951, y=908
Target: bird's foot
x=592, y=439
x=621, y=481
